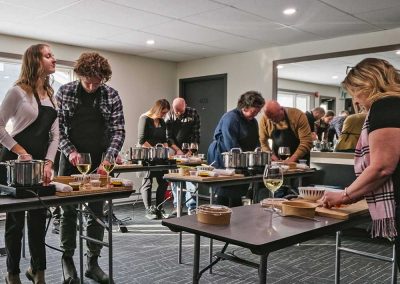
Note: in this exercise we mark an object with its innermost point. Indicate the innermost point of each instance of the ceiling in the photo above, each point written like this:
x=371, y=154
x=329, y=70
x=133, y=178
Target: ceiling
x=323, y=71
x=192, y=29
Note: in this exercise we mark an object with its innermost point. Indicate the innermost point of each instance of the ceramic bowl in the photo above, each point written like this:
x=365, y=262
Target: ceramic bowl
x=311, y=193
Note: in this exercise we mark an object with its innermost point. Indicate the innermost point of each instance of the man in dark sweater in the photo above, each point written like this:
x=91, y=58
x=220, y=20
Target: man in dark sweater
x=312, y=116
x=183, y=126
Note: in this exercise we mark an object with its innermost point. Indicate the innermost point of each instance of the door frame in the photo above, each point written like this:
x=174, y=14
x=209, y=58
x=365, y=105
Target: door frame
x=223, y=76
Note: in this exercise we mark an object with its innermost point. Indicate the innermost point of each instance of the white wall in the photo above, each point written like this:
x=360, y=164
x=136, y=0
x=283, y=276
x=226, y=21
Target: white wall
x=324, y=90
x=139, y=81
x=253, y=70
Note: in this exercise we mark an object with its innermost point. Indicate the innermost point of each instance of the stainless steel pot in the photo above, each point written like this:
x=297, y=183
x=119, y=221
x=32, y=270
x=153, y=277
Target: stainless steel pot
x=261, y=158
x=24, y=173
x=234, y=159
x=159, y=152
x=139, y=153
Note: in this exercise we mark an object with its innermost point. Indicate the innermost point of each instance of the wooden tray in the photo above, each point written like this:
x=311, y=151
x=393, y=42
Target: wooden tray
x=344, y=212
x=177, y=176
x=102, y=189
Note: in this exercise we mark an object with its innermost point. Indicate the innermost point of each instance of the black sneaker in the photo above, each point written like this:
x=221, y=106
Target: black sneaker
x=151, y=213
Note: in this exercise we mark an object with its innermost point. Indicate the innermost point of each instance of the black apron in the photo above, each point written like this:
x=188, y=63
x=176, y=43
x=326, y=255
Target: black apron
x=184, y=130
x=286, y=138
x=87, y=131
x=34, y=138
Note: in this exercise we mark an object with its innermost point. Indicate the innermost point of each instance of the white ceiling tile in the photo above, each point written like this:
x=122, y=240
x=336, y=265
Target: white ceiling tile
x=170, y=8
x=236, y=22
x=362, y=6
x=385, y=18
x=169, y=55
x=42, y=5
x=185, y=31
x=109, y=13
x=8, y=13
x=239, y=44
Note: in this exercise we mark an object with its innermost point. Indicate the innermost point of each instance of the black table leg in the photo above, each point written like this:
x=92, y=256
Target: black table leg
x=263, y=269
x=110, y=247
x=80, y=218
x=196, y=260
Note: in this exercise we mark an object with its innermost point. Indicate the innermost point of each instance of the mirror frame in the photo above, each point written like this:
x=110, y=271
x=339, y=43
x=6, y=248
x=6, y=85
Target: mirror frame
x=275, y=63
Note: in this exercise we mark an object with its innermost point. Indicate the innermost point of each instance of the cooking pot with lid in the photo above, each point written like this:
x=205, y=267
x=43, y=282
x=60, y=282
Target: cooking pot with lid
x=261, y=158
x=159, y=152
x=140, y=153
x=24, y=173
x=234, y=159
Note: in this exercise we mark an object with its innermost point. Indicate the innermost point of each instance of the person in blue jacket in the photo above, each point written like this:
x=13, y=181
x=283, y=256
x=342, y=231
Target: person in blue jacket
x=237, y=128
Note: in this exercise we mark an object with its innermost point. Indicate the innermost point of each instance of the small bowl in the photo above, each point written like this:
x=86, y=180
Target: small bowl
x=95, y=183
x=311, y=193
x=193, y=173
x=201, y=156
x=94, y=177
x=116, y=181
x=205, y=168
x=75, y=185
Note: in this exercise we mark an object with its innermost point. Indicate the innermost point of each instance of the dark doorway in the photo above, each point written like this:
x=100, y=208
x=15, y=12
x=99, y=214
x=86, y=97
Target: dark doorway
x=208, y=96
x=328, y=103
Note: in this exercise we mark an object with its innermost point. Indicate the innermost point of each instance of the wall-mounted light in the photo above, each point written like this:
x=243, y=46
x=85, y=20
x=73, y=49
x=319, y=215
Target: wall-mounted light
x=289, y=11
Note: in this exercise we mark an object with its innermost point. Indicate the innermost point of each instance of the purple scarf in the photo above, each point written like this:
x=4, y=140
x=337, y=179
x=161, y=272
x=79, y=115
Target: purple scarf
x=381, y=202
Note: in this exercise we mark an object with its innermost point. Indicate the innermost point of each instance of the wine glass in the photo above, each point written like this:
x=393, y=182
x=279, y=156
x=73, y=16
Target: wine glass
x=283, y=153
x=185, y=148
x=194, y=147
x=273, y=179
x=108, y=162
x=84, y=163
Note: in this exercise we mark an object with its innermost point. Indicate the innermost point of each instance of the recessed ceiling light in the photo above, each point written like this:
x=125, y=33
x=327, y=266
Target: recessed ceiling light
x=6, y=77
x=150, y=42
x=279, y=66
x=335, y=77
x=398, y=52
x=289, y=11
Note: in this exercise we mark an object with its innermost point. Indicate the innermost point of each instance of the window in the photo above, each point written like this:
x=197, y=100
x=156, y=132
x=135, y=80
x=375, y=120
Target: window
x=9, y=72
x=302, y=101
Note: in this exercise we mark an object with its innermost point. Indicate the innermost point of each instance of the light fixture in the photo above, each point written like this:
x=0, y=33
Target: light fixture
x=279, y=66
x=289, y=11
x=150, y=42
x=398, y=52
x=335, y=77
x=6, y=77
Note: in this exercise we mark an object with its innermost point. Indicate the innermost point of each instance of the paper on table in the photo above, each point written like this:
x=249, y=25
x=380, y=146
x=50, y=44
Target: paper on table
x=223, y=172
x=61, y=187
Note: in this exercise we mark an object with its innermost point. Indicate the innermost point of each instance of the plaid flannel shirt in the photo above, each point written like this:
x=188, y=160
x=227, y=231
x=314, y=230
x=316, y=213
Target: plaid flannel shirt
x=110, y=105
x=189, y=116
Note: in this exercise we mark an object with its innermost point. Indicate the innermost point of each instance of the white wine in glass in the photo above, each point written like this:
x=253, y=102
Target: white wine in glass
x=273, y=179
x=108, y=162
x=84, y=163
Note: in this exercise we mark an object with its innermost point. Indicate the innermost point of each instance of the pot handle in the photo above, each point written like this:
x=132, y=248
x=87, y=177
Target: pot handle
x=236, y=150
x=159, y=145
x=258, y=149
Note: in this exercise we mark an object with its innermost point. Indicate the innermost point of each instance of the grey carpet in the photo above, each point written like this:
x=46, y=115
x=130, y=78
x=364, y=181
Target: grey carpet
x=148, y=254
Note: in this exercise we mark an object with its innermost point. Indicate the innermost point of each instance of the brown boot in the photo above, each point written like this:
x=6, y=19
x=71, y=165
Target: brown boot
x=37, y=277
x=13, y=279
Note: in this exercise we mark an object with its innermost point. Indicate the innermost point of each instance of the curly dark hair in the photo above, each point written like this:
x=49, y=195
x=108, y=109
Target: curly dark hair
x=92, y=64
x=251, y=99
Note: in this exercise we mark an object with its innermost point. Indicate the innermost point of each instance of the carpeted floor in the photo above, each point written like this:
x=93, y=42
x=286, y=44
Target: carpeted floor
x=147, y=253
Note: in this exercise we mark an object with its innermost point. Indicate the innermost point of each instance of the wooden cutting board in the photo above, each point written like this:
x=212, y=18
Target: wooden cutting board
x=344, y=212
x=177, y=176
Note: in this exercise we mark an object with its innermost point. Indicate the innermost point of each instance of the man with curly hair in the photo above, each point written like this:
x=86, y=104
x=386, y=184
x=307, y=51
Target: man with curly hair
x=91, y=121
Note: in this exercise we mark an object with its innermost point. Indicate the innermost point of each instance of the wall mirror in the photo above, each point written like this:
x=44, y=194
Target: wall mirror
x=310, y=81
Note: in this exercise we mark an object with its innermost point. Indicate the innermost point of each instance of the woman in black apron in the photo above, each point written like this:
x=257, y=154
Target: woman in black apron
x=151, y=131
x=29, y=103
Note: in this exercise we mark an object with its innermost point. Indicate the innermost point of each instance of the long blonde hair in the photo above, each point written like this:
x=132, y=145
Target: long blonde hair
x=158, y=107
x=375, y=77
x=32, y=71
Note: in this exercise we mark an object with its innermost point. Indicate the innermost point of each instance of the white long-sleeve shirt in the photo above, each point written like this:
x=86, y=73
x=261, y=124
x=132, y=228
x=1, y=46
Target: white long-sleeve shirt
x=22, y=110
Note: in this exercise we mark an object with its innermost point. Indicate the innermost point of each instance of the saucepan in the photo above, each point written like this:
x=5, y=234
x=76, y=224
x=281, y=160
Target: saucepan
x=24, y=173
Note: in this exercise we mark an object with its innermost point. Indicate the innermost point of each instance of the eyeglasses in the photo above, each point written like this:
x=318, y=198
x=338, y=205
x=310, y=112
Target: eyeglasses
x=348, y=69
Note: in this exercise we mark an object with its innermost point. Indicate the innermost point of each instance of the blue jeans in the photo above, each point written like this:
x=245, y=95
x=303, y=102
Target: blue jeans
x=190, y=202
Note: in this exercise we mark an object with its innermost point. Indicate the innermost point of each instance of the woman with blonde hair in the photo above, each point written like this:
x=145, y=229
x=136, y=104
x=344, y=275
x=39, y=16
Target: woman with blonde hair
x=152, y=130
x=375, y=84
x=30, y=106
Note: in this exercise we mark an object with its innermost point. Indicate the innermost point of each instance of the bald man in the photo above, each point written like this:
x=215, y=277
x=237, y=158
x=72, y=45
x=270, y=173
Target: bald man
x=287, y=127
x=183, y=126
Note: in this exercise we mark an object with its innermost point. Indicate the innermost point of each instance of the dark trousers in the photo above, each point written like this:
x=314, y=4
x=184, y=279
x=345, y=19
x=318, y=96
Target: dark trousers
x=68, y=228
x=36, y=221
x=147, y=184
